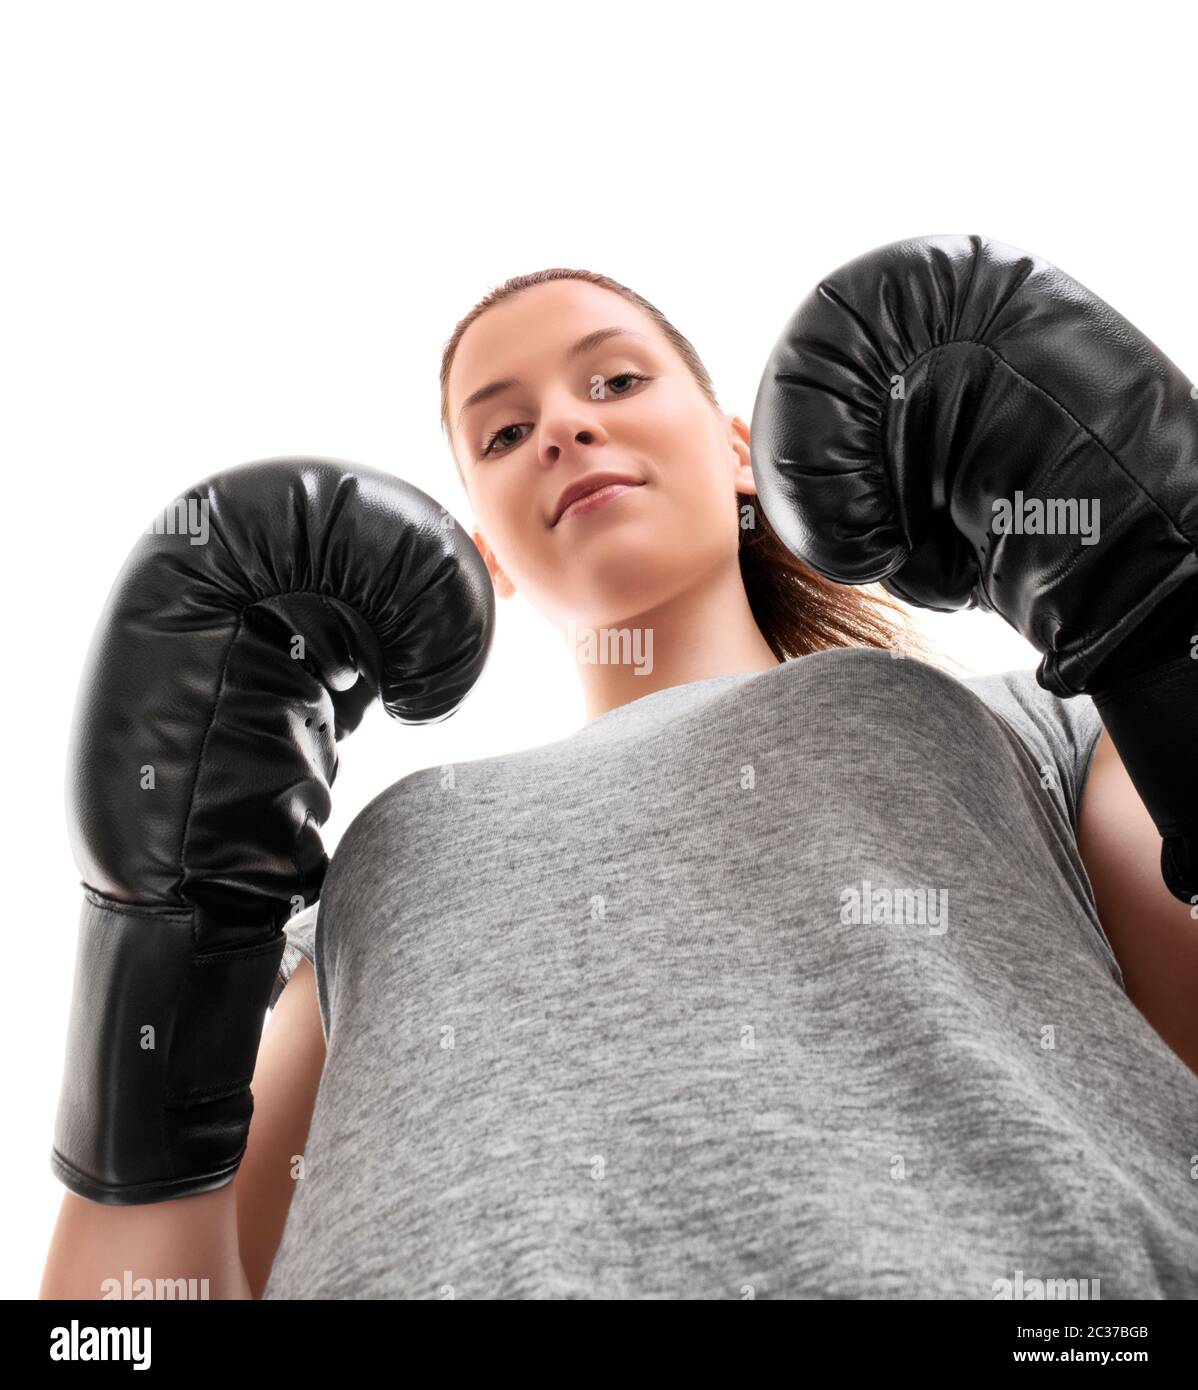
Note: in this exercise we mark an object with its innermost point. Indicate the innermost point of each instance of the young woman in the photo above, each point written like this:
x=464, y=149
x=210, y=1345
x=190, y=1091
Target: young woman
x=802, y=969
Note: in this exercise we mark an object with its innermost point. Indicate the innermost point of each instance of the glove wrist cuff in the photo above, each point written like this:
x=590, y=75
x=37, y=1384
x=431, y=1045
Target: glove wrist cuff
x=161, y=1048
x=1149, y=717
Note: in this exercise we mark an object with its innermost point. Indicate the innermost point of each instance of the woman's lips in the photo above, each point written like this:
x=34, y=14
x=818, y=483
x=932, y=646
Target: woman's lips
x=594, y=500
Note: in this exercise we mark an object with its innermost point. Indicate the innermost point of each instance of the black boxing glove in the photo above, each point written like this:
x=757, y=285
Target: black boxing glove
x=931, y=389
x=245, y=635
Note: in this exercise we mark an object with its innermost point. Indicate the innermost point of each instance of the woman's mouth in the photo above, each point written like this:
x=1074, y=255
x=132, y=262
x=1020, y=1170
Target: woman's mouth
x=592, y=501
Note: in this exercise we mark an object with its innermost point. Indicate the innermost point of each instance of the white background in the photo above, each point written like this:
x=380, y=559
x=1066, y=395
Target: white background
x=234, y=231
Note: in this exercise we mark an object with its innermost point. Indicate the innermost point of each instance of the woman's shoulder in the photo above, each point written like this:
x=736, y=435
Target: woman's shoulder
x=1060, y=733
x=1072, y=723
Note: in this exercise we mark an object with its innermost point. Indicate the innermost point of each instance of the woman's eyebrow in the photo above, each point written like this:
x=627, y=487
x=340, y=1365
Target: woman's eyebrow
x=584, y=344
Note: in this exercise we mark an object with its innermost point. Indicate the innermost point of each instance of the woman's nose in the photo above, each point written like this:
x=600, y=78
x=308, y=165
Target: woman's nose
x=564, y=433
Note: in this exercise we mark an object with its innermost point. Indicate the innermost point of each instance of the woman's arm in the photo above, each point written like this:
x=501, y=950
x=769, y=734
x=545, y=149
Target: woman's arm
x=1153, y=934
x=286, y=1078
x=190, y=1238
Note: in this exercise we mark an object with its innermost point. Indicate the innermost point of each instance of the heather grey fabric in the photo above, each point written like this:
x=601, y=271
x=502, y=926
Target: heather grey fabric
x=602, y=1021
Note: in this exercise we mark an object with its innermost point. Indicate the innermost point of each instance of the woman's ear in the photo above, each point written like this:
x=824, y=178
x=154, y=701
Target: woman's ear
x=503, y=585
x=739, y=437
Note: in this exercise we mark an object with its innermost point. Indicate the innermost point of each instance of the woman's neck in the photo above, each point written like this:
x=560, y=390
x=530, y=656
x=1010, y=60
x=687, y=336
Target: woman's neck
x=707, y=631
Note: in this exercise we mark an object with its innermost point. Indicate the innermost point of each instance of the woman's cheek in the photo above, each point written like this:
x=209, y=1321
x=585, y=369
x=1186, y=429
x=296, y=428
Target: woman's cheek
x=711, y=509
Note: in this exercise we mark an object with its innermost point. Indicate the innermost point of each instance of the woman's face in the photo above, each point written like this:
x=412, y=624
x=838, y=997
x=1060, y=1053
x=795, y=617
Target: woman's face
x=565, y=411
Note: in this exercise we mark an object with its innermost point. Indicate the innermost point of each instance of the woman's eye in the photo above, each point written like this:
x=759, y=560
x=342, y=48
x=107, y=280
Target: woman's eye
x=623, y=376
x=496, y=443
x=497, y=437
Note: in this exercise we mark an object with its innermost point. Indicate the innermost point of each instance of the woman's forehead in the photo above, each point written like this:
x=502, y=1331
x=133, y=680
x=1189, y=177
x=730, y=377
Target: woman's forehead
x=537, y=327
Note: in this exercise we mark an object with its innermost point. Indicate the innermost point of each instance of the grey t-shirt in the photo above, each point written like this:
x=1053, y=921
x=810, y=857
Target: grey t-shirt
x=776, y=984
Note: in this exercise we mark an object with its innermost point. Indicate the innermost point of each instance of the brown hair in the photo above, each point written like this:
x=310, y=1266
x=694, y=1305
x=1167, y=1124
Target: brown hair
x=797, y=610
